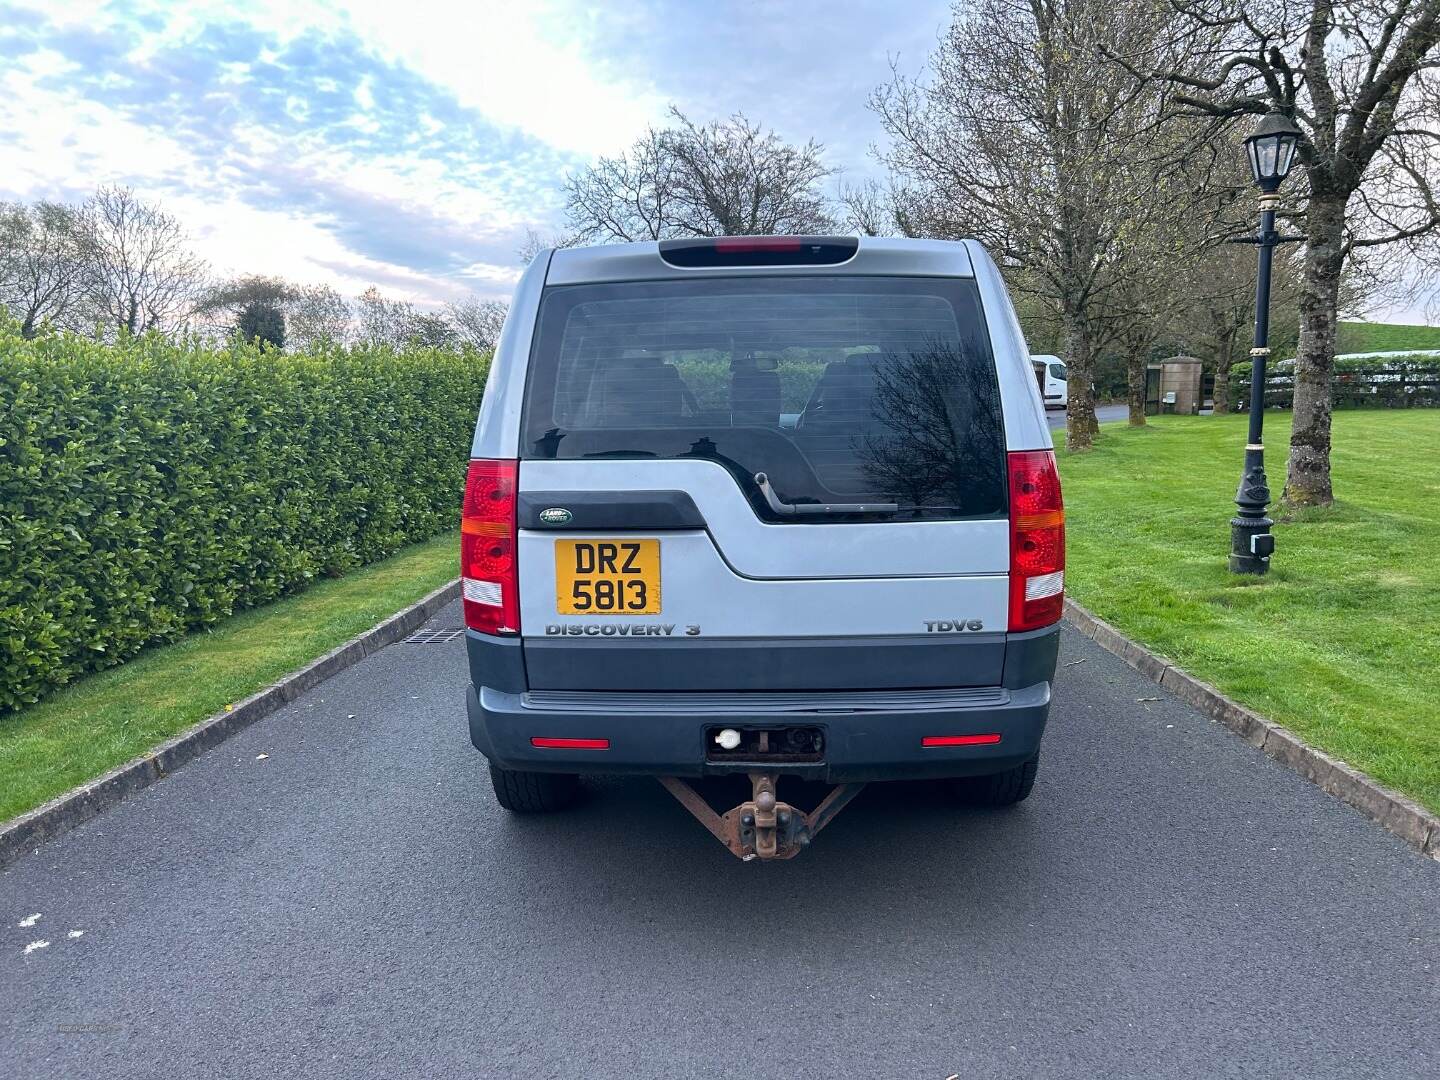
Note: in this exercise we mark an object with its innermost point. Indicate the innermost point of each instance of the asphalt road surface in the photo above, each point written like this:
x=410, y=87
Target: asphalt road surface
x=1103, y=413
x=1169, y=902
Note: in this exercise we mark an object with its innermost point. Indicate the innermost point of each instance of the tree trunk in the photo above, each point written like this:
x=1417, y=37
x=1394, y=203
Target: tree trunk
x=1224, y=358
x=1307, y=481
x=1135, y=385
x=1080, y=425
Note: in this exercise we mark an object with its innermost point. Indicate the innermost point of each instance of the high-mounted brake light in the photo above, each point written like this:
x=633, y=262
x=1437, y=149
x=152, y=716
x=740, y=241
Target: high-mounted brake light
x=720, y=251
x=1037, y=541
x=489, y=584
x=757, y=243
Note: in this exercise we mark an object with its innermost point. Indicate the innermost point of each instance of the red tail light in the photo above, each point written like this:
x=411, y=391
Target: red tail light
x=489, y=584
x=1037, y=541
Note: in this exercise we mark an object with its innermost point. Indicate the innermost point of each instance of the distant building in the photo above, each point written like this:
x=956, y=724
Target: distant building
x=1174, y=386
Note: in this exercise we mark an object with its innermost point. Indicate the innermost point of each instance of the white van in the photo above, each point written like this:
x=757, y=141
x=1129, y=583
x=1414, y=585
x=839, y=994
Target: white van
x=762, y=505
x=1050, y=377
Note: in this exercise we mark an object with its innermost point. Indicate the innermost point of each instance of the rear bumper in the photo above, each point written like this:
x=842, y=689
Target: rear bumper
x=866, y=737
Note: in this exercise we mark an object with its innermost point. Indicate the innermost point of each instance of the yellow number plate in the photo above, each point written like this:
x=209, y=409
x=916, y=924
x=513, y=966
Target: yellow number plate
x=607, y=577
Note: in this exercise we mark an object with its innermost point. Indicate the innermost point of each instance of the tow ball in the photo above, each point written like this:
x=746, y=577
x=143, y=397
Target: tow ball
x=763, y=827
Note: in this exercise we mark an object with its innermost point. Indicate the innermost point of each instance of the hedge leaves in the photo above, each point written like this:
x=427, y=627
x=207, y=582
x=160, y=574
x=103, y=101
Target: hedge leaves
x=151, y=487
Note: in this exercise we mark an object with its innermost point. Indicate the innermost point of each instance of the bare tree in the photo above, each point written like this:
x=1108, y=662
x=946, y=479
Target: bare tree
x=933, y=416
x=478, y=322
x=1138, y=313
x=142, y=274
x=381, y=321
x=1218, y=320
x=400, y=324
x=42, y=264
x=1225, y=310
x=1013, y=137
x=873, y=208
x=725, y=178
x=1201, y=295
x=376, y=319
x=536, y=242
x=1175, y=251
x=1358, y=78
x=317, y=315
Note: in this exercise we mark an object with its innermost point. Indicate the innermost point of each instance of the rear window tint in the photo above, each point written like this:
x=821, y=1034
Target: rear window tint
x=854, y=398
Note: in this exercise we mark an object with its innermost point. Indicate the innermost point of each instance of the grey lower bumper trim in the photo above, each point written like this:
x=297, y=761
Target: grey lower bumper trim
x=763, y=704
x=764, y=665
x=860, y=743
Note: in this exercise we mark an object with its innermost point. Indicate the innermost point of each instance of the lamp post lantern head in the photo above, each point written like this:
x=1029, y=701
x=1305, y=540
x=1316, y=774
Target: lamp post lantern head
x=1271, y=150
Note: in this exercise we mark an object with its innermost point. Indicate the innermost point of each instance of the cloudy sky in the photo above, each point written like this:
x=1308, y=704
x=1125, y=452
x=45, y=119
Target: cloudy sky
x=409, y=144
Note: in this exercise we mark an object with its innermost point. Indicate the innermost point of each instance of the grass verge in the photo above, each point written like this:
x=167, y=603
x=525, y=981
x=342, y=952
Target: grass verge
x=108, y=718
x=1341, y=641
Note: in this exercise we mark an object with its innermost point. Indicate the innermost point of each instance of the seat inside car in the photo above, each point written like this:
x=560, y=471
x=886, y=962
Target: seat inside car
x=754, y=393
x=638, y=391
x=844, y=393
x=838, y=417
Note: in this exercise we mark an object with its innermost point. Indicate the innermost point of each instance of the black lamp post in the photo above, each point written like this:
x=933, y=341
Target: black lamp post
x=1271, y=151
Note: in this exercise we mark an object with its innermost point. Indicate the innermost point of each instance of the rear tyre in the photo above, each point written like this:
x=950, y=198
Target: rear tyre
x=534, y=793
x=998, y=789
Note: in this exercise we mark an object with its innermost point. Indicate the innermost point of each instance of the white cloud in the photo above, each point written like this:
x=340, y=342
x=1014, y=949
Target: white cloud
x=364, y=96
x=239, y=239
x=64, y=142
x=65, y=145
x=521, y=64
x=518, y=67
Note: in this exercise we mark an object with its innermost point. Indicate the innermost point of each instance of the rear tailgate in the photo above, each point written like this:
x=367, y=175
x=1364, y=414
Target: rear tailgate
x=763, y=484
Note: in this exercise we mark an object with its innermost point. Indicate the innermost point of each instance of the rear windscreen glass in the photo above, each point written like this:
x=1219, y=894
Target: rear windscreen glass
x=827, y=398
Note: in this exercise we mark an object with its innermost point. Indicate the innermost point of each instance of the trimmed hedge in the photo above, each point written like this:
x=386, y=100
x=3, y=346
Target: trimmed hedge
x=1419, y=362
x=1398, y=382
x=149, y=487
x=708, y=378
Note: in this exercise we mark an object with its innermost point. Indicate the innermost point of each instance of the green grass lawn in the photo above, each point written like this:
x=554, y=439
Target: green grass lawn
x=112, y=716
x=1341, y=641
x=1386, y=337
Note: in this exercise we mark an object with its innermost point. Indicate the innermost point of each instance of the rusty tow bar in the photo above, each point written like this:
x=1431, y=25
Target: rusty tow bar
x=763, y=827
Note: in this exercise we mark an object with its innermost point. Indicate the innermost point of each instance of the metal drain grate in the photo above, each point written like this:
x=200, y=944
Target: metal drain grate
x=434, y=635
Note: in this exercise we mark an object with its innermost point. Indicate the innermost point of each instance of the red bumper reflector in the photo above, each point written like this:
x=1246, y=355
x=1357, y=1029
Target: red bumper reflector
x=959, y=740
x=572, y=744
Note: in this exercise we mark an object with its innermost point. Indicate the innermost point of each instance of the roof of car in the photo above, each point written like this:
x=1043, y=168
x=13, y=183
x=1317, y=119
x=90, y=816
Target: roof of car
x=876, y=255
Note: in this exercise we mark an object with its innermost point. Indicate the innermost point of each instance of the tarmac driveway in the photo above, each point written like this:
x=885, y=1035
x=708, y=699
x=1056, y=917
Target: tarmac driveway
x=1170, y=902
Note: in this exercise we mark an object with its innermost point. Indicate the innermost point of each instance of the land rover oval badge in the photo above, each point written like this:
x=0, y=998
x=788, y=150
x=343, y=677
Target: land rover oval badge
x=556, y=515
